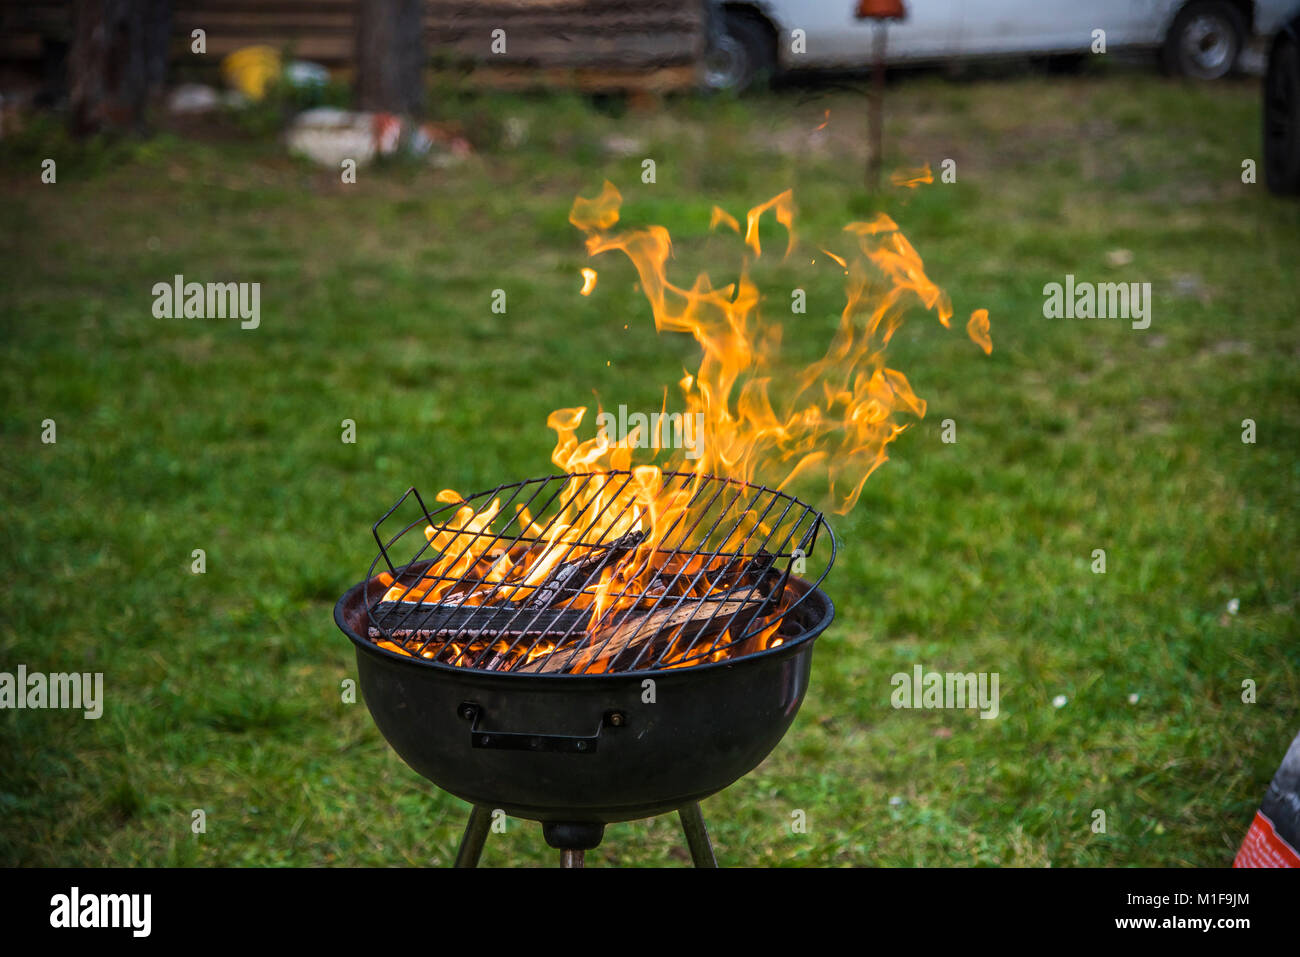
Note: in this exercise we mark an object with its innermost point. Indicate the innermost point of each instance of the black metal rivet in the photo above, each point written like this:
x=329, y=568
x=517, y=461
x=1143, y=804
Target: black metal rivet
x=616, y=719
x=582, y=745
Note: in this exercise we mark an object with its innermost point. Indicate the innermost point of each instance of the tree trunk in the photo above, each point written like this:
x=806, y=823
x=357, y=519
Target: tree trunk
x=390, y=56
x=106, y=66
x=157, y=36
x=118, y=54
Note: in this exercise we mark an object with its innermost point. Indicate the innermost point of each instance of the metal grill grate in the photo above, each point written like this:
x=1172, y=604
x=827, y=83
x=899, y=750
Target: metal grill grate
x=560, y=575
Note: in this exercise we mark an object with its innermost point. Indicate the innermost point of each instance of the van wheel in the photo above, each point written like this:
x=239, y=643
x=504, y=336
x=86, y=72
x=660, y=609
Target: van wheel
x=742, y=53
x=1205, y=40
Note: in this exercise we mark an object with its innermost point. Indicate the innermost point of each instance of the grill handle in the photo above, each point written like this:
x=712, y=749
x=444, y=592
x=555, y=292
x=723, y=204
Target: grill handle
x=530, y=741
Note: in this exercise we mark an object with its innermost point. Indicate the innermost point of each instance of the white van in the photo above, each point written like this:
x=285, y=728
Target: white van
x=1200, y=38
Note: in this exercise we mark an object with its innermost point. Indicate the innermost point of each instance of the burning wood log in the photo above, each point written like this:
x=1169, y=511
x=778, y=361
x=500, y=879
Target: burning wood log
x=689, y=602
x=568, y=579
x=756, y=586
x=740, y=572
x=685, y=621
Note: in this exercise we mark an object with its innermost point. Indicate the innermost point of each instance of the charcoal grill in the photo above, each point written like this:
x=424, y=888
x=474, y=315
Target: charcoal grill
x=515, y=697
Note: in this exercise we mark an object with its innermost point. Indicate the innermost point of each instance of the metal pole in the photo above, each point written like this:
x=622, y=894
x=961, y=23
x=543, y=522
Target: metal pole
x=697, y=837
x=475, y=836
x=875, y=157
x=571, y=858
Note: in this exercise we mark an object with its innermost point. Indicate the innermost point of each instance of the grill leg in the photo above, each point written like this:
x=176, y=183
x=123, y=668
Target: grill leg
x=475, y=836
x=697, y=838
x=571, y=858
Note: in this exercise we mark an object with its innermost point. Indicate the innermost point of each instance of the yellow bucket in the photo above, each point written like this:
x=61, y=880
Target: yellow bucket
x=250, y=69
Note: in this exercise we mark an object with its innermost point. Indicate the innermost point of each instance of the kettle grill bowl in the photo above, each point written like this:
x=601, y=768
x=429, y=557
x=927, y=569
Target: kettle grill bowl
x=587, y=748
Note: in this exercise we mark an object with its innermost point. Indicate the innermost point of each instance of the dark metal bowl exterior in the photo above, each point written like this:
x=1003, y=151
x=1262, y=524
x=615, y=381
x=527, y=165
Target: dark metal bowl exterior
x=586, y=748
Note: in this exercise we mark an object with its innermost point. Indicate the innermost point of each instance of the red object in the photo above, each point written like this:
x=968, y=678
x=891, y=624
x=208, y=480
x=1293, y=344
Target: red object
x=1264, y=847
x=880, y=10
x=387, y=130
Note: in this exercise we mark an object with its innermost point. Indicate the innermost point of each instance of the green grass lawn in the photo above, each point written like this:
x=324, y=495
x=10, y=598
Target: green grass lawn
x=223, y=689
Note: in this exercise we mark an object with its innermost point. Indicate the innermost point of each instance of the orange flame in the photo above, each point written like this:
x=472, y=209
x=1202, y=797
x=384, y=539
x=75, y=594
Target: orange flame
x=761, y=422
x=978, y=330
x=588, y=281
x=912, y=178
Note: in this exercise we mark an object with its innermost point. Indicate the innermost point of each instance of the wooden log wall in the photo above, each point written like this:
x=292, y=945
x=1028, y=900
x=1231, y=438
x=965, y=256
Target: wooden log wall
x=580, y=43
